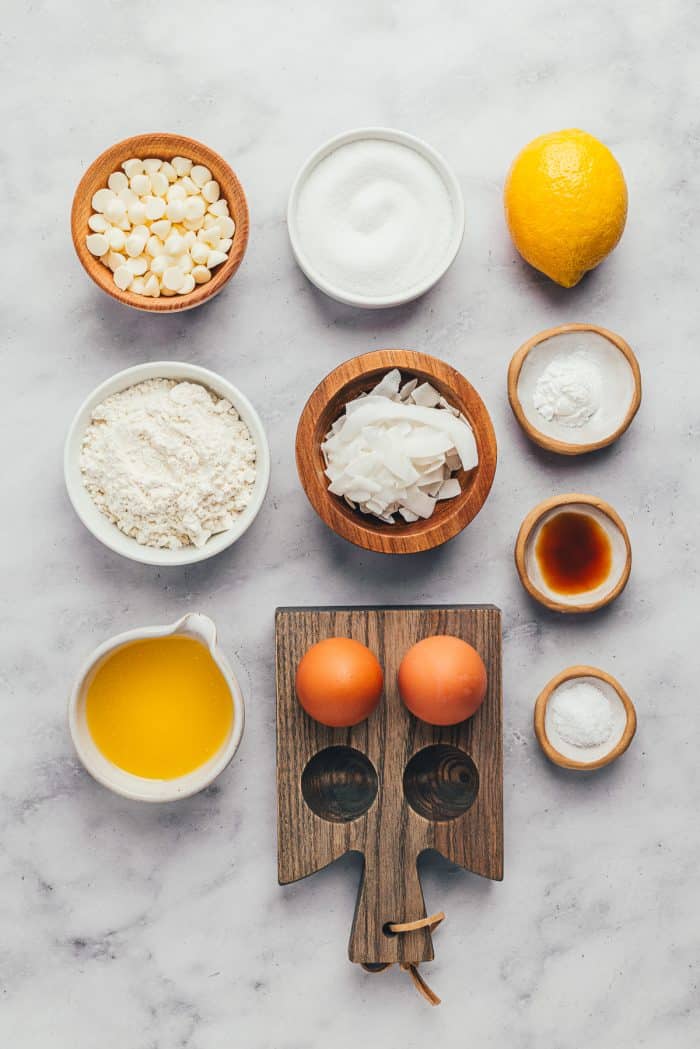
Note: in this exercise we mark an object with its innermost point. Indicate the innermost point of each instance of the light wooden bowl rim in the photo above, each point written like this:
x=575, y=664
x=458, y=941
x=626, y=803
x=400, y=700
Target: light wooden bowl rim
x=577, y=671
x=358, y=528
x=530, y=523
x=552, y=444
x=164, y=145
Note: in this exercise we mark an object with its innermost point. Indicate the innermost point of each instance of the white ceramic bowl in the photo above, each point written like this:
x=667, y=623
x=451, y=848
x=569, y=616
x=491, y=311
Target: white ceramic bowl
x=108, y=533
x=454, y=192
x=138, y=788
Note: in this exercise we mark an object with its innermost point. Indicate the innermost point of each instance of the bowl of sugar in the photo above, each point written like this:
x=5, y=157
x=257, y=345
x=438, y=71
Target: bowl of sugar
x=375, y=217
x=584, y=719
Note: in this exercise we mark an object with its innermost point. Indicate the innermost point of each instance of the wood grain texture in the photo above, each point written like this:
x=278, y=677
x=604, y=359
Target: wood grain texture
x=391, y=834
x=532, y=521
x=163, y=146
x=570, y=674
x=327, y=403
x=551, y=444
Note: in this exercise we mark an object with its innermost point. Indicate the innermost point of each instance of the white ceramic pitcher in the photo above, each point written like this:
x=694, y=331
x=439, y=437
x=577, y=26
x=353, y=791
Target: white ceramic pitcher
x=138, y=788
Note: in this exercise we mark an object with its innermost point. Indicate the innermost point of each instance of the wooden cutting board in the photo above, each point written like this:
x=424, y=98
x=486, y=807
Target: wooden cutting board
x=392, y=786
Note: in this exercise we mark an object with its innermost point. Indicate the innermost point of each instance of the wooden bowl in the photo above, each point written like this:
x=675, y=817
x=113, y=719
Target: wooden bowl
x=165, y=147
x=543, y=439
x=609, y=684
x=617, y=533
x=328, y=401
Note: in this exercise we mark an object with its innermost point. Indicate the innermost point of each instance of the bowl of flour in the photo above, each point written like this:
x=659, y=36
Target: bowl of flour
x=167, y=463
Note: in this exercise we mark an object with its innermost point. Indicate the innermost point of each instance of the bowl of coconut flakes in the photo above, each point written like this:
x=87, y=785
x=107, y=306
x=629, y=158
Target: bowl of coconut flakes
x=396, y=451
x=167, y=463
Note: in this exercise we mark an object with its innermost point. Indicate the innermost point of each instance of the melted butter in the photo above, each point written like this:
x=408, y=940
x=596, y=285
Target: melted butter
x=159, y=707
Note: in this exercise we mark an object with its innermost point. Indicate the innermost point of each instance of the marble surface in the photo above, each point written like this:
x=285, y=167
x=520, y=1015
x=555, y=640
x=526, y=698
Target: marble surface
x=134, y=927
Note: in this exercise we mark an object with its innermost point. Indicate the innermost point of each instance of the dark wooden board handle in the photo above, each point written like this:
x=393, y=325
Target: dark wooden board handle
x=390, y=891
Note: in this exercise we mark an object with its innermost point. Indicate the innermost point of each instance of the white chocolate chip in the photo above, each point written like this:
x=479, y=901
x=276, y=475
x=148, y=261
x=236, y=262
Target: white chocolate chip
x=137, y=266
x=199, y=252
x=169, y=171
x=160, y=264
x=227, y=227
x=219, y=208
x=155, y=208
x=194, y=208
x=215, y=258
x=117, y=181
x=135, y=243
x=173, y=278
x=201, y=274
x=128, y=196
x=132, y=167
x=161, y=228
x=123, y=277
x=98, y=223
x=152, y=164
x=191, y=188
x=176, y=192
x=200, y=175
x=182, y=165
x=138, y=286
x=211, y=191
x=115, y=259
x=117, y=238
x=154, y=246
x=97, y=244
x=159, y=183
x=102, y=199
x=175, y=210
x=141, y=185
x=187, y=284
x=152, y=286
x=137, y=212
x=174, y=245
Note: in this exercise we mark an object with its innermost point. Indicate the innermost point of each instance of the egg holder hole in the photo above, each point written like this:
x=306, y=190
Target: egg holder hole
x=339, y=784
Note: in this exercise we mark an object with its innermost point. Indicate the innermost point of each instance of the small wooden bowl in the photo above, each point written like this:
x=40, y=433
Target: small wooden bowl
x=570, y=674
x=552, y=444
x=165, y=147
x=615, y=527
x=327, y=403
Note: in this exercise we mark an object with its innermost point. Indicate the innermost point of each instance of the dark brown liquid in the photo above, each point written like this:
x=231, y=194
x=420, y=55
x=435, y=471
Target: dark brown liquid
x=573, y=552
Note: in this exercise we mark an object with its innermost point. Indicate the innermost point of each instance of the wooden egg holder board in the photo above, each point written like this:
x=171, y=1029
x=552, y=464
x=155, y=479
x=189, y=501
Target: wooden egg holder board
x=392, y=786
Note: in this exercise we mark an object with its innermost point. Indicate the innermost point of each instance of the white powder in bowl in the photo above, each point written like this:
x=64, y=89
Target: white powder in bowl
x=569, y=389
x=581, y=714
x=375, y=218
x=169, y=463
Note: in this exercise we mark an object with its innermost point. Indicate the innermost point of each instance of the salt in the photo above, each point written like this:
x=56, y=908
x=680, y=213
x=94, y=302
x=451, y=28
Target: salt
x=581, y=715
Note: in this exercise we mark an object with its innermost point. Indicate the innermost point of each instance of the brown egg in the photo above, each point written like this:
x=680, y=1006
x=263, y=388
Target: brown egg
x=442, y=680
x=339, y=682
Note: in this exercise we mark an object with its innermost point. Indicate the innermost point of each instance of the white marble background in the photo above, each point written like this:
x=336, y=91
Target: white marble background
x=131, y=927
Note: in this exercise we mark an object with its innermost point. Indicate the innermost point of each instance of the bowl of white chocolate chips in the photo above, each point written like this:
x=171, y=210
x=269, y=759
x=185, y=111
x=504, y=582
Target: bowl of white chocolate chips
x=160, y=222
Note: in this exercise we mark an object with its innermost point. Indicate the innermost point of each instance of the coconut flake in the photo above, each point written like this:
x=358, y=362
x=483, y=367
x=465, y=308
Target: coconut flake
x=396, y=448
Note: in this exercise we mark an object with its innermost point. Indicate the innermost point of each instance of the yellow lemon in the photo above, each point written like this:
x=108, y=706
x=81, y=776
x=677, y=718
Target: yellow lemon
x=566, y=204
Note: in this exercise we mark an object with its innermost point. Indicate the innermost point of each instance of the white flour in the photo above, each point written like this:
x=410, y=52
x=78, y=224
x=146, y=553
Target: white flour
x=568, y=390
x=168, y=462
